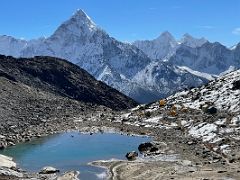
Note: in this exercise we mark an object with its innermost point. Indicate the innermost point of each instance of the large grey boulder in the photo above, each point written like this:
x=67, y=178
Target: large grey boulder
x=49, y=170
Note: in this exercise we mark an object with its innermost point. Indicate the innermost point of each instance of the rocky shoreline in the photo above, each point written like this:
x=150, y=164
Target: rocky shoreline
x=195, y=160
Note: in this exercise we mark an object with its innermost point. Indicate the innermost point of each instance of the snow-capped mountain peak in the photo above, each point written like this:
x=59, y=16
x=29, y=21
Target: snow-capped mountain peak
x=190, y=41
x=81, y=17
x=159, y=48
x=167, y=36
x=166, y=45
x=79, y=24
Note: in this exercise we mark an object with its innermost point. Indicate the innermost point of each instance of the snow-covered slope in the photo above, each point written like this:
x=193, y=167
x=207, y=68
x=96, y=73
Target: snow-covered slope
x=199, y=55
x=11, y=46
x=166, y=45
x=190, y=41
x=162, y=47
x=165, y=78
x=211, y=58
x=221, y=93
x=208, y=115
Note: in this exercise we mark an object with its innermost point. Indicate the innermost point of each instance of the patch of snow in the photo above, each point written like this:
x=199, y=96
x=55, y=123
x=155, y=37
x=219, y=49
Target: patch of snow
x=197, y=73
x=153, y=120
x=204, y=130
x=102, y=175
x=221, y=121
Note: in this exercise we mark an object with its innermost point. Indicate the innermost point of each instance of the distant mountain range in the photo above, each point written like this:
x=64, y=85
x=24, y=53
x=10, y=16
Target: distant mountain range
x=144, y=70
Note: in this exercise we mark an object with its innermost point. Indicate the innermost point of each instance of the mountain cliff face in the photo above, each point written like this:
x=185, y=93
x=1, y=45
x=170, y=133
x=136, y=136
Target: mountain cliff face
x=144, y=70
x=165, y=78
x=62, y=78
x=190, y=41
x=212, y=58
x=162, y=47
x=11, y=46
x=80, y=41
x=166, y=45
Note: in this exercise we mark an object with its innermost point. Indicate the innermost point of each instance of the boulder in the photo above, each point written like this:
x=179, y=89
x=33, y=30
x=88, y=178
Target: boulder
x=211, y=110
x=144, y=147
x=162, y=103
x=196, y=96
x=131, y=155
x=71, y=175
x=2, y=137
x=6, y=161
x=48, y=170
x=236, y=85
x=2, y=146
x=11, y=174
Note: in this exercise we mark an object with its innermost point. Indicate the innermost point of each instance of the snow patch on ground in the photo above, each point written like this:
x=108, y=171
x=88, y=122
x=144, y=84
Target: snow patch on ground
x=204, y=131
x=199, y=74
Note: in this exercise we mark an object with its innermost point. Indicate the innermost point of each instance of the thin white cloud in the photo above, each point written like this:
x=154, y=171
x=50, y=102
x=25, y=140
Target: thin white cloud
x=236, y=31
x=205, y=27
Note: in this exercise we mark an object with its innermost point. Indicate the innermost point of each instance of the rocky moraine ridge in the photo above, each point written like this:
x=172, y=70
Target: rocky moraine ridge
x=196, y=132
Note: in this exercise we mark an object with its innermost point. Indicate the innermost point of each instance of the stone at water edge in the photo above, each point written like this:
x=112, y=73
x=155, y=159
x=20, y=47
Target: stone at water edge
x=71, y=175
x=2, y=146
x=144, y=147
x=49, y=170
x=7, y=162
x=11, y=174
x=132, y=155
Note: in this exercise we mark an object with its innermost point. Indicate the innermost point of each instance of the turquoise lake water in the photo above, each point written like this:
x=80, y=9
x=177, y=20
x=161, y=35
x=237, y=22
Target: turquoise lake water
x=72, y=151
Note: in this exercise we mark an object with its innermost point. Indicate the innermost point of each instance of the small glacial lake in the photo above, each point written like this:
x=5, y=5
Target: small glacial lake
x=72, y=151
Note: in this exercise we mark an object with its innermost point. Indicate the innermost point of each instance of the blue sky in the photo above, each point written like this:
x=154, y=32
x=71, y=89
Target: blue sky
x=127, y=20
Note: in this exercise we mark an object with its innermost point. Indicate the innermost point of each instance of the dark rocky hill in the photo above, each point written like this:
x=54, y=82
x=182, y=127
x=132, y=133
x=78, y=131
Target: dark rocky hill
x=61, y=78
